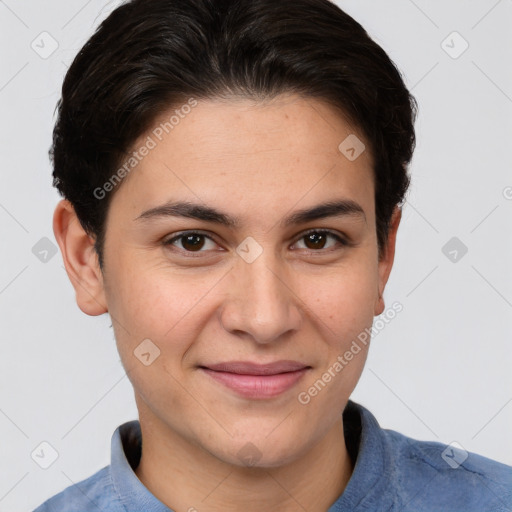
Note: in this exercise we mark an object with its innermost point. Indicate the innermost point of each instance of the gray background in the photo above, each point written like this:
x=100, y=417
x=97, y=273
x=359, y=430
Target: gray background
x=439, y=371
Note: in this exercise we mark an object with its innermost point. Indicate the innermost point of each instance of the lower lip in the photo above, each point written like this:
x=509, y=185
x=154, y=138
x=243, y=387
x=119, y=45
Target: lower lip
x=257, y=386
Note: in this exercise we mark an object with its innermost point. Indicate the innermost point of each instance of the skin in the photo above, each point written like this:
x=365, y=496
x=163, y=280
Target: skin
x=258, y=162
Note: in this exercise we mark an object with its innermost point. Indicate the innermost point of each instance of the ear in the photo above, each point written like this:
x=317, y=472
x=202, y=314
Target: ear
x=386, y=260
x=80, y=260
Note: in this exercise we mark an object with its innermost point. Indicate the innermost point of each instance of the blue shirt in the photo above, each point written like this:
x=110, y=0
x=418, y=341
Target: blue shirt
x=392, y=473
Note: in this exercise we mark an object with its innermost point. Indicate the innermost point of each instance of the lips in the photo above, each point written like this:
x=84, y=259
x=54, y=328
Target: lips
x=255, y=380
x=249, y=368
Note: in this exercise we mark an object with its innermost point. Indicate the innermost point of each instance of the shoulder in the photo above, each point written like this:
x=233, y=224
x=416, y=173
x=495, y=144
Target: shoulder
x=432, y=476
x=93, y=493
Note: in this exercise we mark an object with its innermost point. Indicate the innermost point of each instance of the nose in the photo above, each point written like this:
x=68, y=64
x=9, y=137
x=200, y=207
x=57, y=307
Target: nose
x=261, y=303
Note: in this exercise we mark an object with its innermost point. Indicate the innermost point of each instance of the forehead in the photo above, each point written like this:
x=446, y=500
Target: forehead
x=246, y=153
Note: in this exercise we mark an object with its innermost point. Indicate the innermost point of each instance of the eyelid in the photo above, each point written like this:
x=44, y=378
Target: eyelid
x=180, y=234
x=339, y=238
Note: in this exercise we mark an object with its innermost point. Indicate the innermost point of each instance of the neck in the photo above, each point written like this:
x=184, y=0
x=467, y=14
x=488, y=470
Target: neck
x=186, y=478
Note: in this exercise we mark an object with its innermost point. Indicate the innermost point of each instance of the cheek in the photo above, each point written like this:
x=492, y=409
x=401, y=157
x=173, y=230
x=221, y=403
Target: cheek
x=164, y=309
x=343, y=300
x=155, y=305
x=342, y=311
x=155, y=299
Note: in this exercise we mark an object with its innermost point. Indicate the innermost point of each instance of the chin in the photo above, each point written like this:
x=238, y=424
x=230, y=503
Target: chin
x=260, y=452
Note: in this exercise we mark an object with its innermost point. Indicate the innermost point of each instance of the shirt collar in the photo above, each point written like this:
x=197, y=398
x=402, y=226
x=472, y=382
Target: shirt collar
x=370, y=483
x=125, y=456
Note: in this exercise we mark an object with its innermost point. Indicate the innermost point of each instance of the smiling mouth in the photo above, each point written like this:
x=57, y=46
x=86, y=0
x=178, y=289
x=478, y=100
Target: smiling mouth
x=257, y=381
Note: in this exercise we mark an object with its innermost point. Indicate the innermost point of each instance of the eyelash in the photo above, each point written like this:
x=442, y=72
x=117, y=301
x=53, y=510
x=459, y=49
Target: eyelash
x=169, y=242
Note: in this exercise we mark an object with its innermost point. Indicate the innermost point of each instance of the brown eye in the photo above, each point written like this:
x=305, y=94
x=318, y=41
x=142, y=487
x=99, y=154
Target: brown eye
x=317, y=240
x=191, y=242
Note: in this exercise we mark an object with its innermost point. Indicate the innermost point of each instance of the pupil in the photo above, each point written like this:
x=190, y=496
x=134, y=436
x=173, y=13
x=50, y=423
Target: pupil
x=316, y=239
x=193, y=242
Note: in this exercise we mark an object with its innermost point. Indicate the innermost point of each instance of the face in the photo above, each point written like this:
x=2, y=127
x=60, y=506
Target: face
x=250, y=297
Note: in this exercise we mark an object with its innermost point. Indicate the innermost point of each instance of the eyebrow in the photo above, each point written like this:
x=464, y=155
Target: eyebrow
x=339, y=208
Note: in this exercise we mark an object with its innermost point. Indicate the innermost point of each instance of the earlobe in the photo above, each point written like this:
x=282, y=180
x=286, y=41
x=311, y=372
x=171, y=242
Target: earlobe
x=80, y=260
x=386, y=260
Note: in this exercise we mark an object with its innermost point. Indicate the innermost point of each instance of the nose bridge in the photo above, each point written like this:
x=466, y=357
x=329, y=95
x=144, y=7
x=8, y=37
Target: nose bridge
x=261, y=304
